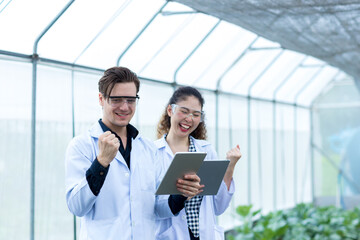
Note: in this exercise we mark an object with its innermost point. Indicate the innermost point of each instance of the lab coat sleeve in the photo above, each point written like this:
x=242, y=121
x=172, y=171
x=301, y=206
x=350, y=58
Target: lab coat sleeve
x=223, y=198
x=78, y=159
x=162, y=208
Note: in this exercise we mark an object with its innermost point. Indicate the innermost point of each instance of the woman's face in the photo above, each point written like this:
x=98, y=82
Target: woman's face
x=185, y=116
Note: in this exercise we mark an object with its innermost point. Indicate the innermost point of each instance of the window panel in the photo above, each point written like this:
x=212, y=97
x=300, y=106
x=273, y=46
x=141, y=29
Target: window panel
x=53, y=221
x=15, y=127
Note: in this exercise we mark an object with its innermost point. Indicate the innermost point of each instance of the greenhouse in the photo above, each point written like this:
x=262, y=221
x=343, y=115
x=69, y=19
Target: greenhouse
x=280, y=78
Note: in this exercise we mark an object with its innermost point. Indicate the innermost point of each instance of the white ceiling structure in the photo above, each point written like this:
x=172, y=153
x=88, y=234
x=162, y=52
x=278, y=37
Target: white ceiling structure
x=328, y=30
x=260, y=49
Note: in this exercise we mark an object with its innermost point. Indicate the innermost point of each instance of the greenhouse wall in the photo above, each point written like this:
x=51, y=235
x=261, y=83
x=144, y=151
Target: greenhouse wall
x=67, y=104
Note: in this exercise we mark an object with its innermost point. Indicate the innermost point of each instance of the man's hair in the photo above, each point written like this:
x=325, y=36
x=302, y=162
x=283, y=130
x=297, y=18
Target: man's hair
x=182, y=93
x=116, y=75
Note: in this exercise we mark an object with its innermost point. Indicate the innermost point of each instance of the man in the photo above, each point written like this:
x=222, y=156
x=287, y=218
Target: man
x=112, y=172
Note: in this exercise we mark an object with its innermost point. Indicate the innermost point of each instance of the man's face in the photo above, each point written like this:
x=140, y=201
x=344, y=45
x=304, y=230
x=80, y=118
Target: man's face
x=117, y=112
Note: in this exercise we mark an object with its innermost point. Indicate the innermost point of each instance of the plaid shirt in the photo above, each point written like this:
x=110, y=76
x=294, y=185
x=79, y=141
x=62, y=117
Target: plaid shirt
x=192, y=206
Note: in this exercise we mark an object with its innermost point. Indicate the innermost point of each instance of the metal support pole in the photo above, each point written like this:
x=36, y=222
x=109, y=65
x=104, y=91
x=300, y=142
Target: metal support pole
x=249, y=127
x=274, y=133
x=73, y=127
x=312, y=160
x=311, y=125
x=195, y=49
x=35, y=59
x=139, y=34
x=106, y=25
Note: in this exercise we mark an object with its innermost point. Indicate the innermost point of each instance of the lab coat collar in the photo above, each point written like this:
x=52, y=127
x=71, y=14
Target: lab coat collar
x=161, y=143
x=199, y=144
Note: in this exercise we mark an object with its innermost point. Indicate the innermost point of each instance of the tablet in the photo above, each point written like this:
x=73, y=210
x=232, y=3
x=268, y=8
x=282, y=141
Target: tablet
x=211, y=174
x=182, y=163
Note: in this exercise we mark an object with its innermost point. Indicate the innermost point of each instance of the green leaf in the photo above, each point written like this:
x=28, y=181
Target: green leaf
x=303, y=222
x=256, y=212
x=243, y=210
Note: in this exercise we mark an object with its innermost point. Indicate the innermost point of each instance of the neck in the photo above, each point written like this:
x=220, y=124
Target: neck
x=121, y=131
x=176, y=143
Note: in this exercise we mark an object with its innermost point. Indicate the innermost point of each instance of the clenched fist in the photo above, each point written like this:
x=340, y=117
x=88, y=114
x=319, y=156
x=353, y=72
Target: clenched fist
x=234, y=155
x=108, y=146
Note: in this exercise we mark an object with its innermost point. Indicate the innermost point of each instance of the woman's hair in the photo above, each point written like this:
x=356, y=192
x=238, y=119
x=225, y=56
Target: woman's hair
x=181, y=94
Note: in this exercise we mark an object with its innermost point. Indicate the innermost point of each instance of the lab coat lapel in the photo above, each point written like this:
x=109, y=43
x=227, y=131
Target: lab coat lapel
x=136, y=151
x=120, y=158
x=96, y=131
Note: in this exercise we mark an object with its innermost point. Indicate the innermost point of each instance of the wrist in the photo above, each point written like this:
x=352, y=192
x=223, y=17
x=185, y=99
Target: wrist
x=103, y=162
x=231, y=165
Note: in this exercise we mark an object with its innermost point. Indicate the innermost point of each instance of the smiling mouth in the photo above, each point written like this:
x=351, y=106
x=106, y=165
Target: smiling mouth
x=185, y=127
x=120, y=115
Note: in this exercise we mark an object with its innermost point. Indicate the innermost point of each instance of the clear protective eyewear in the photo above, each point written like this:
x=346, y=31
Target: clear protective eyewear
x=185, y=112
x=118, y=101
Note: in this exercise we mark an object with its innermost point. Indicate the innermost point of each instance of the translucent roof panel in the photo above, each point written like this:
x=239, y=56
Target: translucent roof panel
x=247, y=70
x=103, y=31
x=205, y=67
x=326, y=75
x=277, y=75
x=160, y=40
x=296, y=82
x=166, y=43
x=264, y=43
x=22, y=21
x=311, y=61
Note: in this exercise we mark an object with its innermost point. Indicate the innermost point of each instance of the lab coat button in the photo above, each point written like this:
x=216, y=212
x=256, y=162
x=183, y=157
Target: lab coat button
x=127, y=174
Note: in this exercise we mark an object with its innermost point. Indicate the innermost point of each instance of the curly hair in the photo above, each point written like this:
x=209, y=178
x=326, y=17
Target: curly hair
x=181, y=94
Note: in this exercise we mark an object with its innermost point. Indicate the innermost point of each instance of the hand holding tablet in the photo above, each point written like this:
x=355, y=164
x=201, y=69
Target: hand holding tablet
x=211, y=173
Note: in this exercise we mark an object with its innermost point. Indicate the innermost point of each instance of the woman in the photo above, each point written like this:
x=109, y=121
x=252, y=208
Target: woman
x=182, y=129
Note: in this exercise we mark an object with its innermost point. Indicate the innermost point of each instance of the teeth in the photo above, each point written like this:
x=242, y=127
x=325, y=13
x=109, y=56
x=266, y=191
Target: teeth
x=184, y=126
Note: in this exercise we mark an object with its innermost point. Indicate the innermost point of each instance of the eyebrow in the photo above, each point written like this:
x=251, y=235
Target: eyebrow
x=124, y=96
x=191, y=109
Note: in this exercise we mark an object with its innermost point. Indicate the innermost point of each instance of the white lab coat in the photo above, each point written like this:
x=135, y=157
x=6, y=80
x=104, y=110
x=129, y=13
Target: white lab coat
x=126, y=206
x=211, y=206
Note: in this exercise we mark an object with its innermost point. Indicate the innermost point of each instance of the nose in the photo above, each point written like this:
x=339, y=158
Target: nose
x=124, y=106
x=190, y=115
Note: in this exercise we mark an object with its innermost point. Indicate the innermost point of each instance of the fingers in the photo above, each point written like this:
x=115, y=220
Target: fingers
x=189, y=186
x=192, y=177
x=109, y=138
x=234, y=154
x=108, y=147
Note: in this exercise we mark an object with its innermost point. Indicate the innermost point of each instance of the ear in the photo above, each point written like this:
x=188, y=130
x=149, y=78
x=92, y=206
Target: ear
x=101, y=100
x=169, y=110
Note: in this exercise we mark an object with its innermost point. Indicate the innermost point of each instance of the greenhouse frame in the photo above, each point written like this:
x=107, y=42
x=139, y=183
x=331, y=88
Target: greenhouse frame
x=293, y=108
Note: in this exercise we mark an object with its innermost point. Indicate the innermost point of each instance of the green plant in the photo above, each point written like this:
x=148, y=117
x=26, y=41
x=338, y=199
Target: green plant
x=303, y=222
